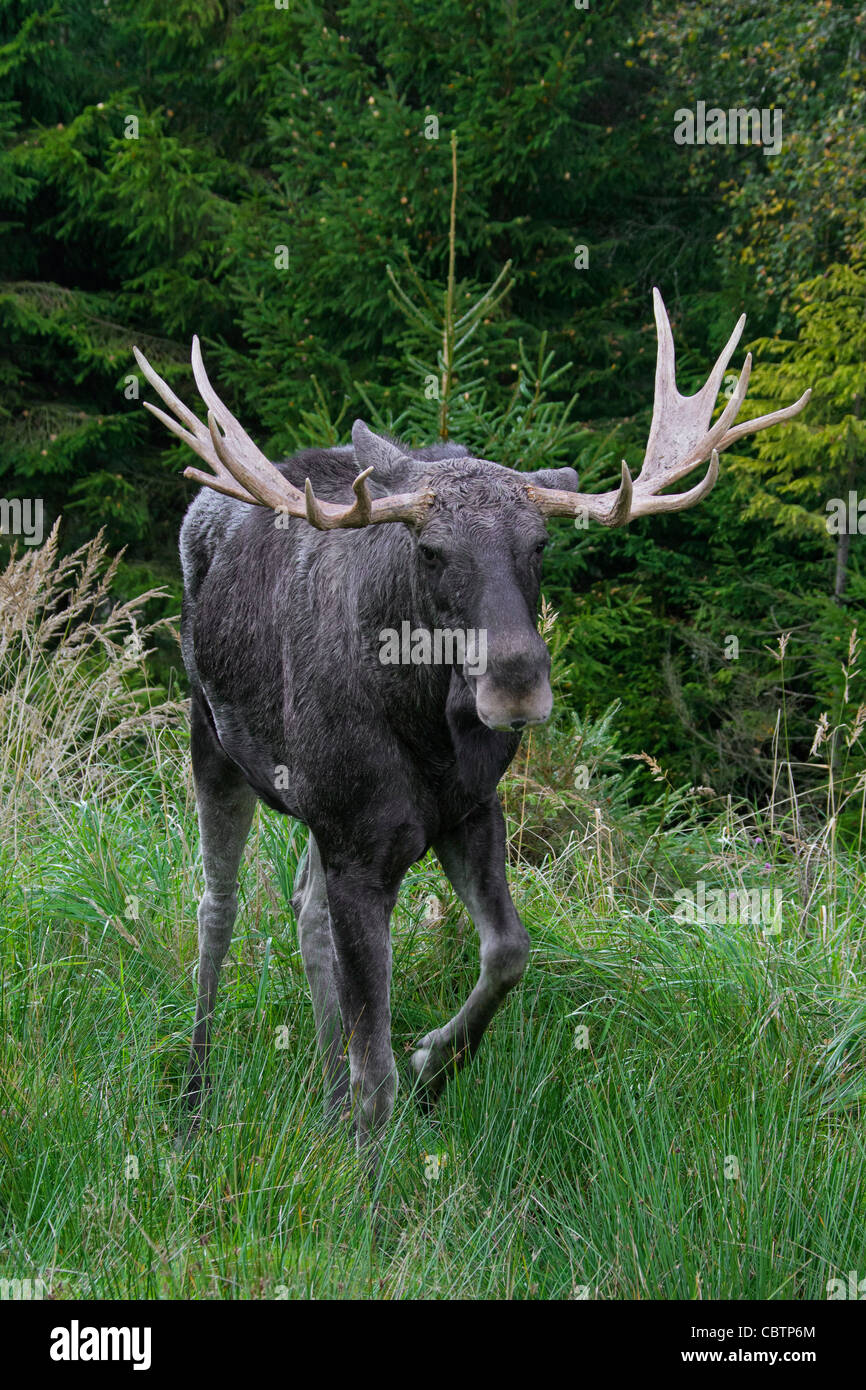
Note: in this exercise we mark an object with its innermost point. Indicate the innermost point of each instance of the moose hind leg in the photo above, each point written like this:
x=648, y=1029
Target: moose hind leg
x=310, y=901
x=225, y=810
x=473, y=857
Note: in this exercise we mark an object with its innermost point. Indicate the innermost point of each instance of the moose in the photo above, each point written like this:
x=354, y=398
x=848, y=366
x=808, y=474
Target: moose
x=291, y=571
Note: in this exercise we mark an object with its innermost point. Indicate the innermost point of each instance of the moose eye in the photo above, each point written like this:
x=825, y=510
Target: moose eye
x=432, y=555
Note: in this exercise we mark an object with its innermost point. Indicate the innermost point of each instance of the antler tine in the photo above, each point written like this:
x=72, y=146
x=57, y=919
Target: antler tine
x=237, y=452
x=677, y=501
x=198, y=445
x=196, y=437
x=206, y=391
x=362, y=507
x=163, y=389
x=364, y=511
x=219, y=484
x=622, y=505
x=666, y=357
x=713, y=383
x=777, y=417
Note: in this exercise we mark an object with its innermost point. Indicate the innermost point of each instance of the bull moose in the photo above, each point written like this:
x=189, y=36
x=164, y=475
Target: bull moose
x=291, y=572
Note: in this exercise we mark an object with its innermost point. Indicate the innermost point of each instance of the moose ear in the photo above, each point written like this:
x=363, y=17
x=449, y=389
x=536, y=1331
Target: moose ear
x=372, y=451
x=565, y=479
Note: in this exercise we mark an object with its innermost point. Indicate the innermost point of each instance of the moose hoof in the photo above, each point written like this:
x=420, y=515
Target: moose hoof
x=187, y=1130
x=429, y=1063
x=338, y=1109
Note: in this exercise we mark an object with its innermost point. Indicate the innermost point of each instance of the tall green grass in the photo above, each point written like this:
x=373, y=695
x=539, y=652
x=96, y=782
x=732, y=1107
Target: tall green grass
x=664, y=1109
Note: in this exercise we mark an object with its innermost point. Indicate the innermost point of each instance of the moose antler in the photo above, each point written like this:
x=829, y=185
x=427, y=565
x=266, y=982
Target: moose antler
x=242, y=471
x=680, y=438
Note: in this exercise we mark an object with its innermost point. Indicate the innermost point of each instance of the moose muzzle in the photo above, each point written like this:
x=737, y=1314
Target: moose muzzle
x=515, y=691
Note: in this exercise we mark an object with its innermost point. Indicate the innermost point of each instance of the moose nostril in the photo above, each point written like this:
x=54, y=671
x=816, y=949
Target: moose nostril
x=518, y=723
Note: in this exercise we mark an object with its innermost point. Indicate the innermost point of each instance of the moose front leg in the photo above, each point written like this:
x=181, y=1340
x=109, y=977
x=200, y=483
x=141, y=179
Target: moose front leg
x=473, y=857
x=360, y=913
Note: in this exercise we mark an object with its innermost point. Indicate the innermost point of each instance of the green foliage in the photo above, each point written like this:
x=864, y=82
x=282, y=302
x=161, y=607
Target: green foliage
x=797, y=471
x=787, y=215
